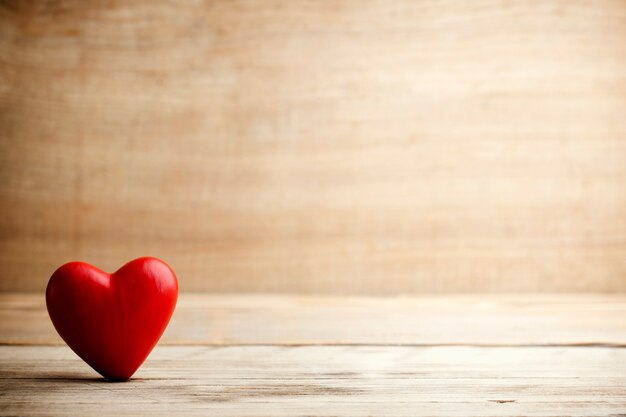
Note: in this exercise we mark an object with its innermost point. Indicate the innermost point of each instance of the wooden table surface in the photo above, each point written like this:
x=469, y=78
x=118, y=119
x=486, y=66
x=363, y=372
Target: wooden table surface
x=252, y=355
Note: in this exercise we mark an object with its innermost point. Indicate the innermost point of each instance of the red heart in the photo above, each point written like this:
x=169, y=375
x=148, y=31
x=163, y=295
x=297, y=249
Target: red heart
x=112, y=321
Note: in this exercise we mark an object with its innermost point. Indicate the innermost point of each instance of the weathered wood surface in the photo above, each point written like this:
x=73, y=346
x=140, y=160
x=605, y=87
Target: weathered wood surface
x=330, y=356
x=566, y=319
x=322, y=381
x=343, y=146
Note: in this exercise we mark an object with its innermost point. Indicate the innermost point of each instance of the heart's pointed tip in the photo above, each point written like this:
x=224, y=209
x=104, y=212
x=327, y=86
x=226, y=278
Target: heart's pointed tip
x=114, y=375
x=113, y=380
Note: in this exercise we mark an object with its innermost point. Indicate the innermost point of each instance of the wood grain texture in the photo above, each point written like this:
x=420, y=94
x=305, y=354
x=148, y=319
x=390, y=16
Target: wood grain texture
x=346, y=147
x=333, y=356
x=502, y=320
x=322, y=381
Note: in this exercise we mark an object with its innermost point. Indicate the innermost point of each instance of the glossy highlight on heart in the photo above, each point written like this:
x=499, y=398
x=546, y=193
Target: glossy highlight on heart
x=112, y=321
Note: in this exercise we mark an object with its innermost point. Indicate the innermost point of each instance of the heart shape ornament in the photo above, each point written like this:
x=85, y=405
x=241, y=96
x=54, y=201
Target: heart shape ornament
x=112, y=321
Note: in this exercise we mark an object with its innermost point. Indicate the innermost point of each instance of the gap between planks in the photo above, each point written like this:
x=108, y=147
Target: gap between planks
x=322, y=381
x=390, y=345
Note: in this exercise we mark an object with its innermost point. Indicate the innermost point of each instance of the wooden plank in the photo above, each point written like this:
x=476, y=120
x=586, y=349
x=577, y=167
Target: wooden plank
x=344, y=147
x=427, y=320
x=322, y=381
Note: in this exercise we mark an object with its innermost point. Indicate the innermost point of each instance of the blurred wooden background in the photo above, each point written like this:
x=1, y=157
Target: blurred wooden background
x=344, y=146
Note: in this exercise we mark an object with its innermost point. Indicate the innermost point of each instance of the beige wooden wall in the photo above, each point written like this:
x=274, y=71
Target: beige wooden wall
x=333, y=146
